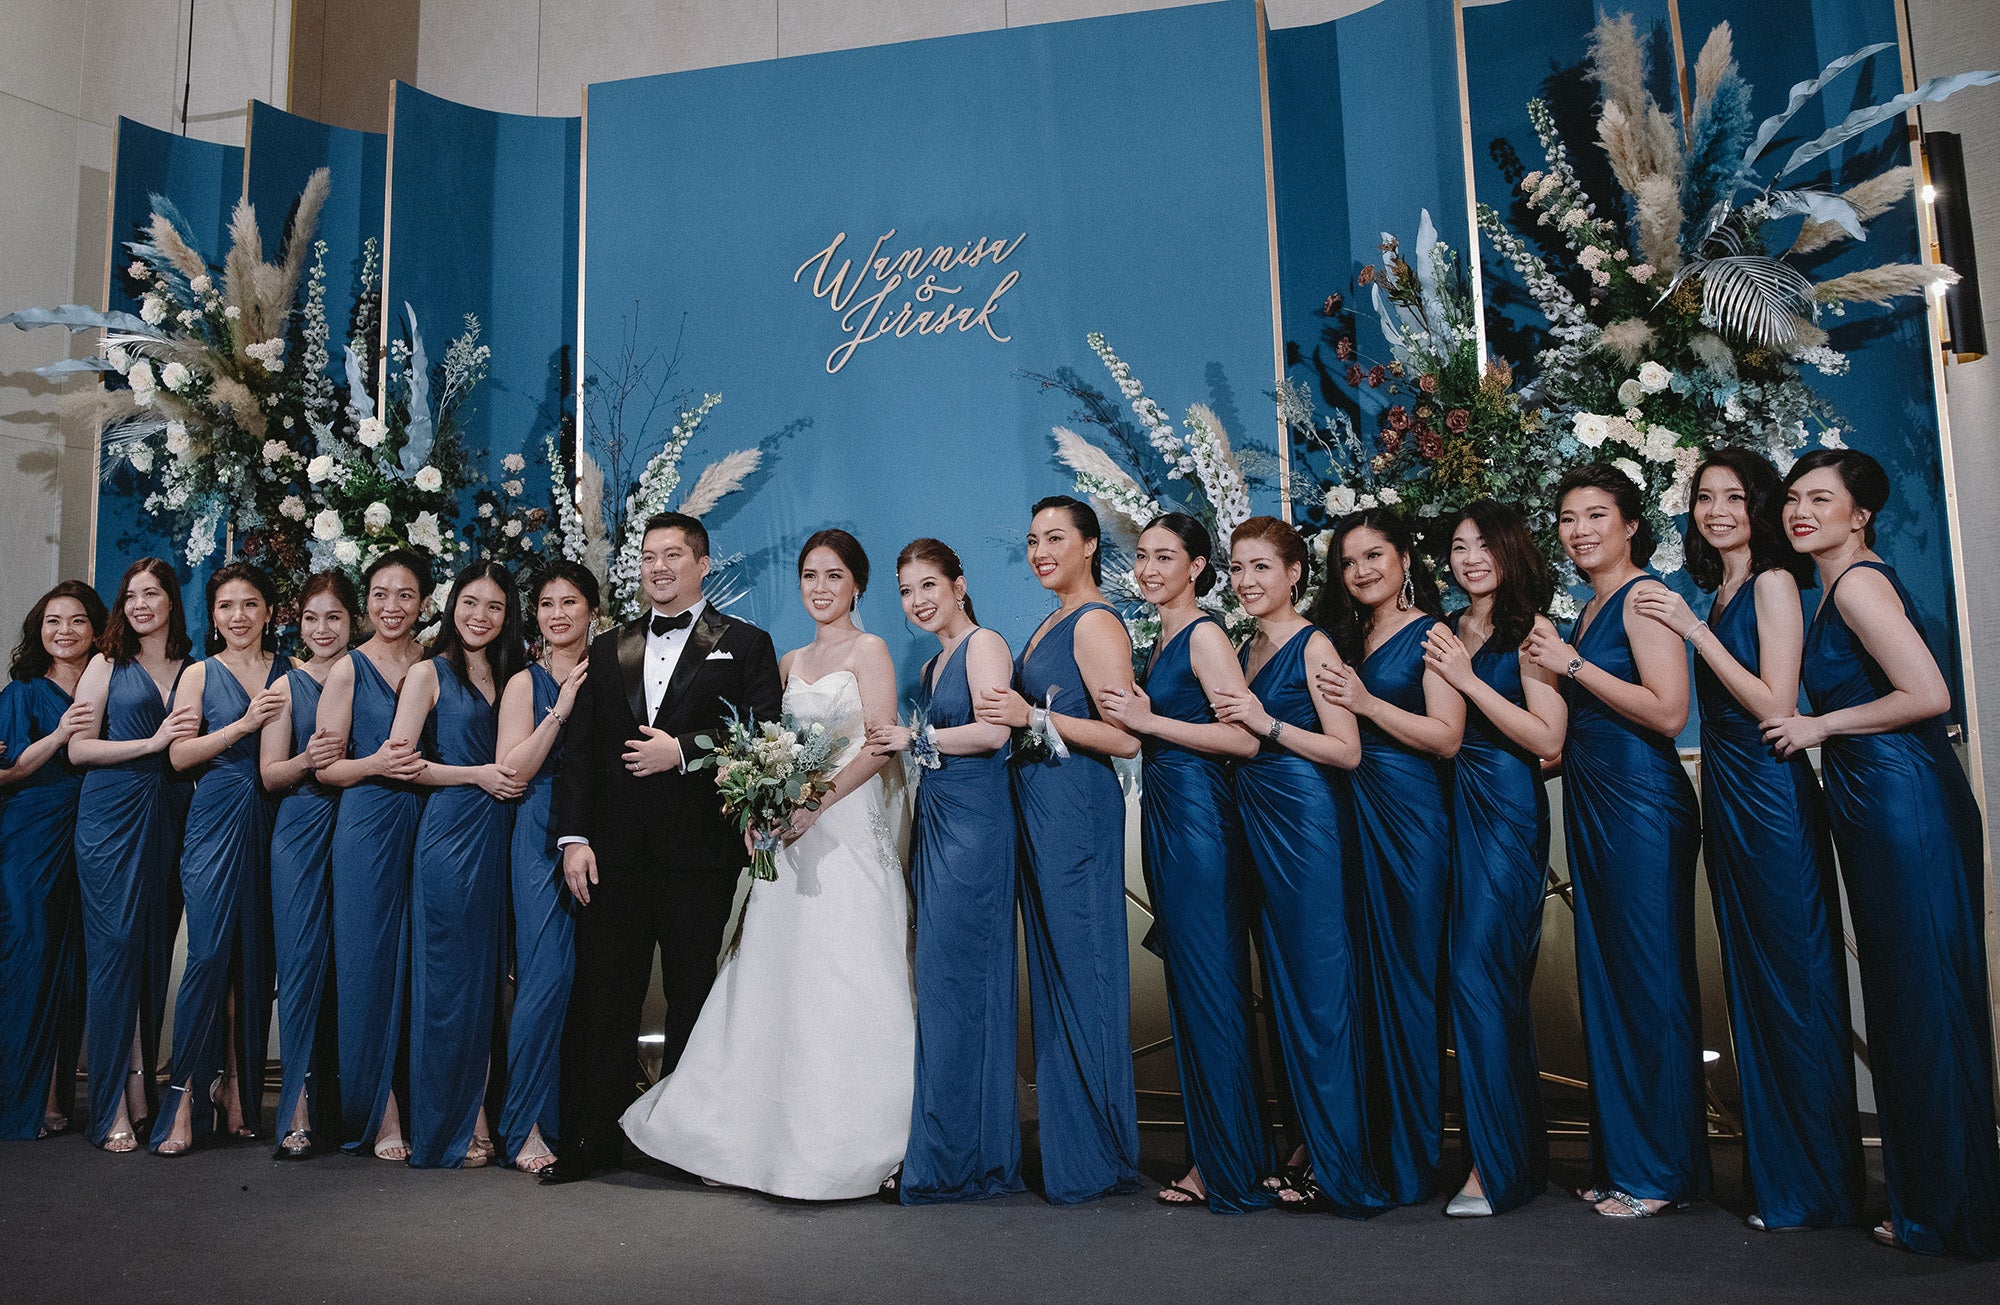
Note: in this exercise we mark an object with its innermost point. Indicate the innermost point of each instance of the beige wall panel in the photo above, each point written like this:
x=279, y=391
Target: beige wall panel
x=484, y=52
x=234, y=62
x=812, y=26
x=606, y=40
x=130, y=65
x=43, y=52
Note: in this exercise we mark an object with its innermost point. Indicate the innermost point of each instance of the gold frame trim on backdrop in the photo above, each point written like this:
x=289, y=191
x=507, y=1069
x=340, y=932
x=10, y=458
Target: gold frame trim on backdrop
x=1271, y=236
x=582, y=237
x=388, y=207
x=97, y=433
x=1472, y=260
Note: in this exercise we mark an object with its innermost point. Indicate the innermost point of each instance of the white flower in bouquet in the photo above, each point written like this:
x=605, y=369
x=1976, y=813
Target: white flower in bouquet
x=138, y=271
x=143, y=383
x=141, y=458
x=511, y=529
x=371, y=432
x=424, y=532
x=1671, y=555
x=201, y=285
x=326, y=526
x=271, y=353
x=232, y=312
x=428, y=479
x=1653, y=377
x=512, y=488
x=1388, y=495
x=275, y=451
x=293, y=508
x=1830, y=438
x=177, y=439
x=1340, y=500
x=485, y=511
x=346, y=552
x=188, y=318
x=153, y=311
x=1630, y=393
x=1660, y=444
x=319, y=468
x=1644, y=272
x=1633, y=472
x=120, y=361
x=376, y=516
x=1590, y=429
x=514, y=462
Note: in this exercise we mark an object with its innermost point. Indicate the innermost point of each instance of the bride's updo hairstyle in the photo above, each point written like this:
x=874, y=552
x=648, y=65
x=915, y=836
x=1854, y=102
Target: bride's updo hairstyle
x=1196, y=541
x=936, y=553
x=845, y=547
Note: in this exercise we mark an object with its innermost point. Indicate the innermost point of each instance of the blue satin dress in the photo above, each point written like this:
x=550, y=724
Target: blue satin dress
x=1204, y=901
x=373, y=837
x=1912, y=852
x=457, y=913
x=1500, y=826
x=1402, y=799
x=41, y=930
x=301, y=911
x=544, y=951
x=1764, y=836
x=128, y=843
x=1072, y=814
x=1298, y=823
x=1634, y=832
x=965, y=1132
x=225, y=884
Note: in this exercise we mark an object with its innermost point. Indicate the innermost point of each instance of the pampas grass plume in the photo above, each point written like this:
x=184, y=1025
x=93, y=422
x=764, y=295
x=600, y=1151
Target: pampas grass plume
x=1626, y=340
x=719, y=479
x=1879, y=285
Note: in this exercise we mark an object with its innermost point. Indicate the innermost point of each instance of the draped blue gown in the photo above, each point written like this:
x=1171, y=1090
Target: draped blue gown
x=544, y=951
x=1402, y=799
x=1072, y=826
x=225, y=885
x=1200, y=880
x=301, y=911
x=373, y=836
x=457, y=906
x=128, y=843
x=1298, y=823
x=1912, y=852
x=1634, y=832
x=1770, y=865
x=1500, y=826
x=41, y=931
x=965, y=1132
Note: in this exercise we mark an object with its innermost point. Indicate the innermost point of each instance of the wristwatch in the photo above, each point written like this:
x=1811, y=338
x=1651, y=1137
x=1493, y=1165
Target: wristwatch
x=1277, y=728
x=1575, y=665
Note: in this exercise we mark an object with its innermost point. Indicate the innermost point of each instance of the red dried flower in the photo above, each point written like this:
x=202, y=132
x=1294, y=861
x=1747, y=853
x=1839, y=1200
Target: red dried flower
x=1428, y=383
x=1429, y=442
x=1392, y=441
x=1354, y=374
x=1376, y=376
x=1367, y=274
x=1398, y=418
x=1457, y=420
x=1343, y=348
x=1331, y=308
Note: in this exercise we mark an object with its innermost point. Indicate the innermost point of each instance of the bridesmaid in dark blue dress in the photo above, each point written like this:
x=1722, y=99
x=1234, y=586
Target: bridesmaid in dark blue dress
x=1770, y=864
x=1072, y=824
x=128, y=842
x=1378, y=605
x=1296, y=805
x=458, y=892
x=1198, y=873
x=373, y=836
x=965, y=1133
x=293, y=749
x=533, y=710
x=41, y=932
x=1912, y=851
x=1633, y=831
x=1515, y=716
x=222, y=1014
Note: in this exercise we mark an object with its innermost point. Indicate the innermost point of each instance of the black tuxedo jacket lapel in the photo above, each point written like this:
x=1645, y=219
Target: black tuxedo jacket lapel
x=707, y=632
x=632, y=665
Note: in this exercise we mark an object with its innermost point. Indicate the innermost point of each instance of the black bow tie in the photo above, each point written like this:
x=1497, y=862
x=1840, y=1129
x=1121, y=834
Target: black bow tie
x=664, y=624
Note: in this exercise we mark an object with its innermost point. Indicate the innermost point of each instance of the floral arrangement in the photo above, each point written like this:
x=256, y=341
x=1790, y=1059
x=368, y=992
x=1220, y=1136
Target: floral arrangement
x=1195, y=459
x=505, y=526
x=1679, y=318
x=766, y=773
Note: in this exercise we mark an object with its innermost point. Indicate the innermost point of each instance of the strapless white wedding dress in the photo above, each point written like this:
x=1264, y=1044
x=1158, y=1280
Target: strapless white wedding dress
x=797, y=1080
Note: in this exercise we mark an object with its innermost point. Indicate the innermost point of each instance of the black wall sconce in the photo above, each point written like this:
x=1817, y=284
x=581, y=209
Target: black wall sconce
x=1951, y=211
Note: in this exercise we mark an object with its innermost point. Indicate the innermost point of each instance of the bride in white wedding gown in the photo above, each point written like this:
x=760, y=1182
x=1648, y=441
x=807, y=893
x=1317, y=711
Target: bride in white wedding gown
x=797, y=1080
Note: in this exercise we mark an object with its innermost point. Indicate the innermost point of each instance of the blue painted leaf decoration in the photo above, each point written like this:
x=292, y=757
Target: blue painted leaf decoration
x=1803, y=91
x=78, y=317
x=71, y=366
x=360, y=404
x=1859, y=121
x=421, y=432
x=1818, y=206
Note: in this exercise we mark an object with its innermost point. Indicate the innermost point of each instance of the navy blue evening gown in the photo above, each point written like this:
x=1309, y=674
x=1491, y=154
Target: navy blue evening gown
x=301, y=926
x=1634, y=832
x=965, y=1132
x=1501, y=834
x=1912, y=850
x=1764, y=838
x=457, y=905
x=41, y=930
x=1200, y=880
x=1072, y=814
x=1298, y=823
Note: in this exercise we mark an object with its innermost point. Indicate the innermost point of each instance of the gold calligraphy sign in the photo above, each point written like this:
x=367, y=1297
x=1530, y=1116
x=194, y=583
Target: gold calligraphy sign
x=930, y=309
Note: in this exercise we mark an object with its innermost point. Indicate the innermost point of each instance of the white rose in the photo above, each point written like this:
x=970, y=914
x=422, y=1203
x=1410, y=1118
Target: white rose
x=513, y=462
x=512, y=487
x=293, y=508
x=1633, y=471
x=319, y=468
x=1340, y=500
x=326, y=526
x=153, y=311
x=346, y=552
x=177, y=438
x=140, y=457
x=174, y=376
x=511, y=529
x=137, y=271
x=1654, y=378
x=375, y=516
x=1630, y=393
x=485, y=511
x=424, y=532
x=274, y=451
x=1590, y=429
x=1660, y=445
x=200, y=285
x=232, y=312
x=1388, y=495
x=370, y=433
x=141, y=375
x=428, y=479
x=120, y=361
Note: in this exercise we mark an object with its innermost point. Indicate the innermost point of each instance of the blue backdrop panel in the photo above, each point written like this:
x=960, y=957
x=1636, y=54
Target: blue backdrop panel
x=283, y=151
x=1365, y=133
x=202, y=180
x=483, y=220
x=1120, y=159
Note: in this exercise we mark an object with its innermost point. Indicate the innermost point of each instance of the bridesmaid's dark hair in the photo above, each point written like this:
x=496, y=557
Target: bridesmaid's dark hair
x=1335, y=610
x=1764, y=495
x=1525, y=584
x=507, y=655
x=1282, y=536
x=250, y=575
x=337, y=584
x=1631, y=503
x=119, y=643
x=1084, y=518
x=937, y=553
x=1866, y=482
x=410, y=560
x=845, y=547
x=575, y=573
x=31, y=660
x=1194, y=537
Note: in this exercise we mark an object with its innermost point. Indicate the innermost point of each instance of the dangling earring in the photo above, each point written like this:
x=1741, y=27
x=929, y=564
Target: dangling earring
x=1408, y=598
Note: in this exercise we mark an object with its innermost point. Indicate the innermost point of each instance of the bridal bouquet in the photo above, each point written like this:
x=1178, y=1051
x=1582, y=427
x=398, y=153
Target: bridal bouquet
x=766, y=773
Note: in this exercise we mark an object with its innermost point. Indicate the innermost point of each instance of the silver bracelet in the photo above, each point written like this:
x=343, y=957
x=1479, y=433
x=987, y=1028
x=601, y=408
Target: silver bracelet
x=1277, y=728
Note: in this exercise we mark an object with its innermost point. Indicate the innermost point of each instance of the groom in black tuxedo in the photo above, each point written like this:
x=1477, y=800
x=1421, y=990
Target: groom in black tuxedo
x=646, y=850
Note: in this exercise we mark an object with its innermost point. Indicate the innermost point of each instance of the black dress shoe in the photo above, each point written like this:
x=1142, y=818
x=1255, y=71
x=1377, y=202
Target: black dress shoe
x=568, y=1167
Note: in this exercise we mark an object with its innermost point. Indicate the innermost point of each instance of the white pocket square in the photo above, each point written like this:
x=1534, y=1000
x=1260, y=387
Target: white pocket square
x=721, y=657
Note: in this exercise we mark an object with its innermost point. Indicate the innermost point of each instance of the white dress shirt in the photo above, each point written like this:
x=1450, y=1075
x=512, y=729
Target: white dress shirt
x=663, y=654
